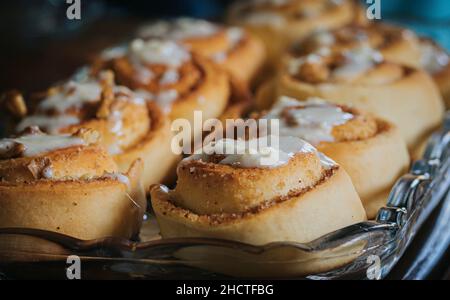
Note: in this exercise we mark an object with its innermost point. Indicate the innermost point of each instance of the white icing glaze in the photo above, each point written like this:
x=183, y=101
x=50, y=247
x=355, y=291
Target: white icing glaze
x=72, y=94
x=178, y=29
x=220, y=57
x=324, y=38
x=295, y=63
x=122, y=178
x=169, y=77
x=234, y=35
x=433, y=59
x=114, y=52
x=47, y=172
x=38, y=144
x=264, y=152
x=158, y=52
x=358, y=61
x=141, y=72
x=166, y=98
x=123, y=93
x=313, y=119
x=50, y=124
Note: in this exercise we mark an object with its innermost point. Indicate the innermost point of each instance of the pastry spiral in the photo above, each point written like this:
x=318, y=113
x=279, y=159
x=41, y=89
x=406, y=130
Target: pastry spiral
x=130, y=126
x=68, y=184
x=396, y=44
x=361, y=77
x=266, y=194
x=279, y=23
x=178, y=80
x=238, y=52
x=370, y=149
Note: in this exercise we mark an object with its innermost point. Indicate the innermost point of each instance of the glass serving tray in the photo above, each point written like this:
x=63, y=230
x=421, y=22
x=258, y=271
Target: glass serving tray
x=345, y=254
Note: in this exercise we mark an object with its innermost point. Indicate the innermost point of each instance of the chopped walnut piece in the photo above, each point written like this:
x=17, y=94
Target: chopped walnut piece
x=13, y=101
x=31, y=130
x=11, y=149
x=38, y=166
x=90, y=136
x=316, y=72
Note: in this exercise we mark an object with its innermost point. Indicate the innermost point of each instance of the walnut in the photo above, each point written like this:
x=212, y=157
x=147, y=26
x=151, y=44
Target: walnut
x=90, y=136
x=39, y=168
x=313, y=72
x=11, y=149
x=13, y=101
x=31, y=130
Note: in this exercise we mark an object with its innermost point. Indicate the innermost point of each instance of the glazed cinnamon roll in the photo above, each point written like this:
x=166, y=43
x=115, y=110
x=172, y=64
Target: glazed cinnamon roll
x=178, y=80
x=271, y=189
x=361, y=77
x=68, y=184
x=396, y=44
x=241, y=54
x=130, y=126
x=370, y=149
x=279, y=23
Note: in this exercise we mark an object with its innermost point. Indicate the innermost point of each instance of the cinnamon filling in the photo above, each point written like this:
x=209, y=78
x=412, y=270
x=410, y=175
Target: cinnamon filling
x=118, y=114
x=318, y=121
x=217, y=219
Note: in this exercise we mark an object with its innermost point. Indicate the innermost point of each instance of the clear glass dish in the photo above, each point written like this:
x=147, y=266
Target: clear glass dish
x=365, y=250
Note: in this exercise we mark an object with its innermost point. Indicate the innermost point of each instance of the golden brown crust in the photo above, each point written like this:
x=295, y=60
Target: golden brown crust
x=201, y=86
x=228, y=189
x=130, y=128
x=396, y=44
x=154, y=150
x=374, y=164
x=300, y=218
x=407, y=97
x=82, y=196
x=370, y=149
x=257, y=204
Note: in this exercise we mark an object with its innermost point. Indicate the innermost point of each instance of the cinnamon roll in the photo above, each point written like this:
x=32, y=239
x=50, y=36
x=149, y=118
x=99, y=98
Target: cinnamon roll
x=396, y=44
x=370, y=149
x=237, y=51
x=361, y=77
x=130, y=126
x=279, y=23
x=271, y=189
x=68, y=184
x=178, y=80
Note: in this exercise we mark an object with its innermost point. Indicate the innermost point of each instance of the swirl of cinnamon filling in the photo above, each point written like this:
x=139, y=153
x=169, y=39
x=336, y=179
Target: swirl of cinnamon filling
x=239, y=197
x=361, y=65
x=68, y=184
x=175, y=78
x=233, y=48
x=360, y=77
x=370, y=149
x=396, y=45
x=130, y=127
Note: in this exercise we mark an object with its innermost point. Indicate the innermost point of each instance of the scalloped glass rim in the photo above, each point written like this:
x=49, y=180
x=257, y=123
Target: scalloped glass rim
x=336, y=255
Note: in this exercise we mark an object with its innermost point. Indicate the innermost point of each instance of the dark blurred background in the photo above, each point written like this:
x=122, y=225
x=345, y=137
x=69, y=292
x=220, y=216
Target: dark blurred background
x=40, y=45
